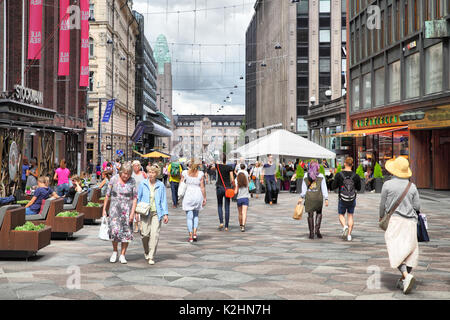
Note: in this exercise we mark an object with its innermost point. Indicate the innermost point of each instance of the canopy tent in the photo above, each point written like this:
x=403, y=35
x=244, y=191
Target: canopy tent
x=155, y=154
x=283, y=142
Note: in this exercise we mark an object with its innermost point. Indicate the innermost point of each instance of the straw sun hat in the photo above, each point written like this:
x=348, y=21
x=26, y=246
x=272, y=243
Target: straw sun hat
x=399, y=167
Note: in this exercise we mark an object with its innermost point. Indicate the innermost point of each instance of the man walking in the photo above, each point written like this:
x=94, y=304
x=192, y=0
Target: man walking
x=268, y=173
x=174, y=170
x=348, y=182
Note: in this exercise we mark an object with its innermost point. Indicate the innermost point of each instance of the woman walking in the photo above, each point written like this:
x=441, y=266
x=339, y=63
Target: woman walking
x=242, y=197
x=194, y=198
x=401, y=234
x=62, y=175
x=256, y=174
x=32, y=174
x=123, y=194
x=138, y=176
x=152, y=191
x=225, y=176
x=314, y=191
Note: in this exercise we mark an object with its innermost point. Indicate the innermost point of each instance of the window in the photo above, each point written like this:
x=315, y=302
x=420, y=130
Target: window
x=343, y=35
x=406, y=16
x=367, y=91
x=225, y=123
x=394, y=81
x=90, y=117
x=302, y=6
x=397, y=20
x=91, y=48
x=412, y=75
x=91, y=81
x=324, y=6
x=324, y=35
x=324, y=65
x=302, y=35
x=91, y=11
x=302, y=94
x=381, y=31
x=416, y=15
x=379, y=87
x=433, y=68
x=355, y=94
x=389, y=25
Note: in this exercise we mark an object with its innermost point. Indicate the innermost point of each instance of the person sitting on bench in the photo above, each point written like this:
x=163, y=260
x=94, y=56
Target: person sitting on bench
x=43, y=192
x=7, y=200
x=76, y=187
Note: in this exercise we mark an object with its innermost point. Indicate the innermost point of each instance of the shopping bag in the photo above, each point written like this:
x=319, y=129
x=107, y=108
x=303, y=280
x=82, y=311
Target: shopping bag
x=251, y=186
x=182, y=189
x=422, y=234
x=298, y=211
x=103, y=232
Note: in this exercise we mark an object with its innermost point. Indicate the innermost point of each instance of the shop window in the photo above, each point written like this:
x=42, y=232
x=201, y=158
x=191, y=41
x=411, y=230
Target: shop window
x=367, y=91
x=385, y=148
x=412, y=75
x=401, y=143
x=394, y=81
x=379, y=87
x=433, y=69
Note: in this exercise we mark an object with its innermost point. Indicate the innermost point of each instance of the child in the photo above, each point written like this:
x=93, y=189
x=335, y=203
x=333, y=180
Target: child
x=243, y=195
x=42, y=192
x=76, y=187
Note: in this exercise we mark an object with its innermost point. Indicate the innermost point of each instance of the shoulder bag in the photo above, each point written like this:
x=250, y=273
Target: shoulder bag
x=229, y=193
x=143, y=208
x=384, y=223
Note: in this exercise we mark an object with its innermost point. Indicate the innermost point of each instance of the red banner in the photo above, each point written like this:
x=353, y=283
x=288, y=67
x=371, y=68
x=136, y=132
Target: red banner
x=64, y=39
x=35, y=30
x=84, y=54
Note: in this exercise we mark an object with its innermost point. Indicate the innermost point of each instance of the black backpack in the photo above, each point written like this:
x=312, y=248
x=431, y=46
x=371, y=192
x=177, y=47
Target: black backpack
x=348, y=192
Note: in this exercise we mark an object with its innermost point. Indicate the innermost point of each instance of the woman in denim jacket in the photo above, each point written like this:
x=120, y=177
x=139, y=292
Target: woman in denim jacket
x=152, y=191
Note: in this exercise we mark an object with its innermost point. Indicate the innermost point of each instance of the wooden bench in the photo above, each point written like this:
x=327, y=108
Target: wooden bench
x=19, y=243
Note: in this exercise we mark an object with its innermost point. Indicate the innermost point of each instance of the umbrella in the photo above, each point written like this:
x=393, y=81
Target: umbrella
x=155, y=154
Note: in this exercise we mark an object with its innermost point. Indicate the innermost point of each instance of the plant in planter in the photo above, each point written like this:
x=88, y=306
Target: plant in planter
x=378, y=176
x=22, y=202
x=322, y=170
x=93, y=204
x=29, y=226
x=28, y=190
x=360, y=173
x=102, y=199
x=339, y=168
x=279, y=177
x=68, y=214
x=300, y=173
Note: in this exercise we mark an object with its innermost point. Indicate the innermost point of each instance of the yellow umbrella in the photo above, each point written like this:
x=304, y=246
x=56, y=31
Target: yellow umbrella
x=155, y=154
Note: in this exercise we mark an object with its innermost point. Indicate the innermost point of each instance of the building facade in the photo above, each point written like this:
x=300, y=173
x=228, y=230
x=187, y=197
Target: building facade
x=203, y=136
x=112, y=62
x=41, y=113
x=295, y=59
x=399, y=74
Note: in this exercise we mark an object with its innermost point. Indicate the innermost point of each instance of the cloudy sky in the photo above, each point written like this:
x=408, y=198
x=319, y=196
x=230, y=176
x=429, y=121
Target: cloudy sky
x=207, y=49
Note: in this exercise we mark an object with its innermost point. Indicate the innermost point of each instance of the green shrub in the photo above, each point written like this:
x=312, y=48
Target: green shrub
x=300, y=172
x=360, y=171
x=278, y=174
x=29, y=226
x=102, y=199
x=93, y=204
x=68, y=214
x=322, y=170
x=377, y=173
x=23, y=201
x=339, y=168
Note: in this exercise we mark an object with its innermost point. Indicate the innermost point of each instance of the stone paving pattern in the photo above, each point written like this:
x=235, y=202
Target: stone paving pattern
x=274, y=259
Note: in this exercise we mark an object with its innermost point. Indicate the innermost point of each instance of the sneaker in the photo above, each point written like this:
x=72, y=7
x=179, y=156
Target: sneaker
x=345, y=232
x=122, y=259
x=146, y=256
x=191, y=239
x=399, y=284
x=113, y=257
x=349, y=238
x=408, y=283
x=151, y=262
x=194, y=237
x=243, y=228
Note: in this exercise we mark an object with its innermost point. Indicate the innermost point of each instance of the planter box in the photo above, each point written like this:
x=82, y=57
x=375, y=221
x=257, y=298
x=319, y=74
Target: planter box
x=92, y=213
x=299, y=185
x=363, y=185
x=30, y=240
x=378, y=185
x=68, y=224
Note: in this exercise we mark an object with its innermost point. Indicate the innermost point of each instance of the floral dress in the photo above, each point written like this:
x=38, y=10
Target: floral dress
x=122, y=197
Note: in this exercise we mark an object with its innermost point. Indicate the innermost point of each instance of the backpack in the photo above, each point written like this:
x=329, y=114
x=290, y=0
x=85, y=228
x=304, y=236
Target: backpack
x=348, y=192
x=313, y=197
x=175, y=169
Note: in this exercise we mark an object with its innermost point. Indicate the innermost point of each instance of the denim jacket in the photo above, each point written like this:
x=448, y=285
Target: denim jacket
x=160, y=197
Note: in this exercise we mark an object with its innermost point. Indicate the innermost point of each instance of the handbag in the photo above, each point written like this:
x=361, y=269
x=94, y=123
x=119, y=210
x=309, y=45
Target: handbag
x=229, y=193
x=298, y=213
x=103, y=232
x=422, y=234
x=251, y=186
x=182, y=189
x=143, y=208
x=384, y=223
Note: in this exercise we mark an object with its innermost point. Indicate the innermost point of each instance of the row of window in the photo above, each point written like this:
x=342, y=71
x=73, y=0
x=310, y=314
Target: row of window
x=387, y=84
x=324, y=6
x=220, y=123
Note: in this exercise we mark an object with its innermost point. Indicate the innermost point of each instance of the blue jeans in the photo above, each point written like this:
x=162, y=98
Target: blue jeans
x=28, y=211
x=192, y=220
x=62, y=189
x=174, y=188
x=220, y=192
x=6, y=200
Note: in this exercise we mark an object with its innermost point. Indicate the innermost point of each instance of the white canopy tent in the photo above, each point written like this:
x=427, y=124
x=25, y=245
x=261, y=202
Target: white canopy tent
x=283, y=142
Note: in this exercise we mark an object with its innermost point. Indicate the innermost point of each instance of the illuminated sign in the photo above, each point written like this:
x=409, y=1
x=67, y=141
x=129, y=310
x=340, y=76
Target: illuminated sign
x=377, y=121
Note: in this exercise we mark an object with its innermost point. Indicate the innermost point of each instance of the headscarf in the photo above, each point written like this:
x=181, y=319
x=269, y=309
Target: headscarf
x=313, y=171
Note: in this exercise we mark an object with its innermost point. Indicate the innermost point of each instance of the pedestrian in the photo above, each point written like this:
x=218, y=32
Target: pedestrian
x=194, y=198
x=401, y=234
x=225, y=176
x=160, y=164
x=43, y=192
x=90, y=167
x=268, y=175
x=139, y=176
x=123, y=194
x=243, y=195
x=165, y=173
x=98, y=170
x=62, y=175
x=255, y=175
x=175, y=171
x=32, y=174
x=238, y=165
x=25, y=167
x=348, y=182
x=152, y=191
x=314, y=191
x=106, y=176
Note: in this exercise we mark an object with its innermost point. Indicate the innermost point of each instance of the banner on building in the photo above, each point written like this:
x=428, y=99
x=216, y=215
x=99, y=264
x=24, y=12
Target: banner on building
x=64, y=39
x=108, y=110
x=84, y=54
x=35, y=30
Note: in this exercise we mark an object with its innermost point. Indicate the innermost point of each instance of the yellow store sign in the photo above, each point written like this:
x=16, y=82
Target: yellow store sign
x=381, y=121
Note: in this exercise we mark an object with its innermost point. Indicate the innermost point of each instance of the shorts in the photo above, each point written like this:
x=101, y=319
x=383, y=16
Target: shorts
x=242, y=202
x=345, y=206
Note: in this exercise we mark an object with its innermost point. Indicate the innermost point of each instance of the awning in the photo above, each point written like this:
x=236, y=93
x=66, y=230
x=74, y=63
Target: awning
x=150, y=127
x=368, y=132
x=155, y=154
x=164, y=116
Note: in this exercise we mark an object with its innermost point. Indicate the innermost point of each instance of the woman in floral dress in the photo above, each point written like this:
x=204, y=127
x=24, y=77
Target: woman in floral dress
x=123, y=193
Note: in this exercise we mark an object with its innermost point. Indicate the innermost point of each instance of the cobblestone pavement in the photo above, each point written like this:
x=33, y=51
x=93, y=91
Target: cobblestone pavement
x=273, y=259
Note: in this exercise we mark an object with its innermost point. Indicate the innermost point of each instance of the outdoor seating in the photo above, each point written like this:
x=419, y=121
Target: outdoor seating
x=19, y=243
x=93, y=213
x=95, y=195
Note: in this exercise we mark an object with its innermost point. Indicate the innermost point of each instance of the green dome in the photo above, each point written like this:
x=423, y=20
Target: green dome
x=161, y=53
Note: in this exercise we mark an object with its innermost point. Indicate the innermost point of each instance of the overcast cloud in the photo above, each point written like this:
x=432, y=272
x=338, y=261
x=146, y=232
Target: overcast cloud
x=218, y=69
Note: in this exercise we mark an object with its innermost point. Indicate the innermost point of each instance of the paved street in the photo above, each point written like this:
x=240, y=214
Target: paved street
x=273, y=259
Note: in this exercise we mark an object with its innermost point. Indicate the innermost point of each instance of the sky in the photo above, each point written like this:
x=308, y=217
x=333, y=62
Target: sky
x=207, y=49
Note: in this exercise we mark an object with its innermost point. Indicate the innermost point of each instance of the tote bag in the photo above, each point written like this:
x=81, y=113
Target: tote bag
x=103, y=232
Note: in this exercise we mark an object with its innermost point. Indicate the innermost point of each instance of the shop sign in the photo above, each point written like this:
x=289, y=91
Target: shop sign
x=434, y=118
x=27, y=95
x=387, y=120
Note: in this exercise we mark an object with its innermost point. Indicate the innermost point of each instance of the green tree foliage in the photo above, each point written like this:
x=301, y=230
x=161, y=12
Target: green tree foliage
x=360, y=171
x=377, y=173
x=300, y=172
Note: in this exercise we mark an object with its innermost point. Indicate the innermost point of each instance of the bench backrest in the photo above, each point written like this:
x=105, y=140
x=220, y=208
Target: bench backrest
x=3, y=210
